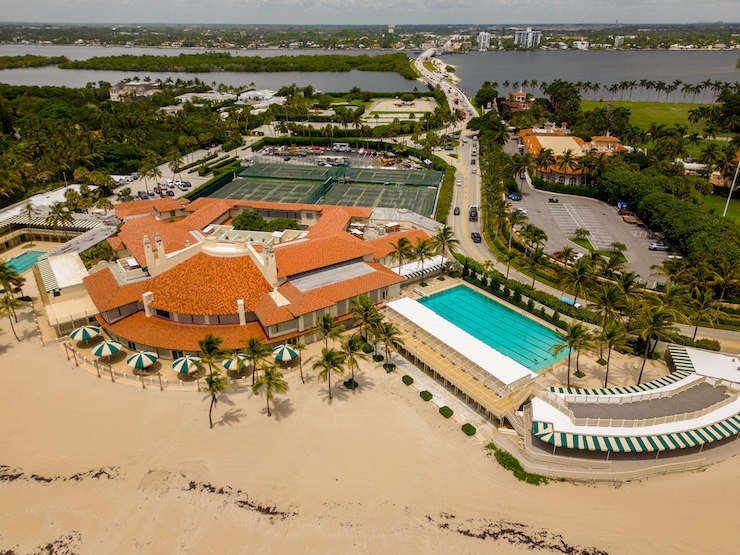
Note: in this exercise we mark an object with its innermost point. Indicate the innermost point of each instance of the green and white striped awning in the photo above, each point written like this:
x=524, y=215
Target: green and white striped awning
x=680, y=358
x=427, y=270
x=647, y=386
x=638, y=444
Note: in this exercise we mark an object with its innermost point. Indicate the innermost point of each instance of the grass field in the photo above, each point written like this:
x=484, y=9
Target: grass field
x=718, y=203
x=645, y=113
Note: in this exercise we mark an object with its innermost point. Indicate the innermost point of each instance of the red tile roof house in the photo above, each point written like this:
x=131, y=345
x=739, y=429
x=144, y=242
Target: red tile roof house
x=184, y=273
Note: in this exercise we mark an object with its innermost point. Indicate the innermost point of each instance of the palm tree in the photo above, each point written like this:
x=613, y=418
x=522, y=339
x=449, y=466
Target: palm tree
x=653, y=322
x=364, y=312
x=533, y=235
x=255, y=351
x=273, y=382
x=726, y=274
x=8, y=306
x=567, y=161
x=328, y=327
x=607, y=301
x=421, y=250
x=210, y=346
x=612, y=335
x=331, y=360
x=535, y=259
x=353, y=354
x=703, y=307
x=573, y=337
x=28, y=209
x=60, y=215
x=579, y=277
x=390, y=335
x=545, y=159
x=508, y=256
x=10, y=279
x=514, y=218
x=566, y=254
x=300, y=346
x=401, y=251
x=444, y=242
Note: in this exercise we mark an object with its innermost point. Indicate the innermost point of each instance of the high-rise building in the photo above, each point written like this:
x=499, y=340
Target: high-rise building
x=618, y=41
x=528, y=38
x=391, y=29
x=484, y=40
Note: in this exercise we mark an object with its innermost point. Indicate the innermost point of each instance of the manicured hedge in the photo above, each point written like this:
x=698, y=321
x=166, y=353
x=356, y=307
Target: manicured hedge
x=426, y=395
x=446, y=411
x=408, y=380
x=389, y=367
x=378, y=358
x=469, y=429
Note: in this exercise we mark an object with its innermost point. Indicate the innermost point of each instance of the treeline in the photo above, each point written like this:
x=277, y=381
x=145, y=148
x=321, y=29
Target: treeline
x=15, y=62
x=224, y=61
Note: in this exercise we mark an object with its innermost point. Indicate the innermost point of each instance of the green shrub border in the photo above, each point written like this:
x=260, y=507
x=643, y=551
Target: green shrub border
x=469, y=429
x=446, y=411
x=408, y=380
x=510, y=462
x=426, y=395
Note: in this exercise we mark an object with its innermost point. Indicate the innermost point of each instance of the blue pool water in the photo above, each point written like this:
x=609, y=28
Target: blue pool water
x=516, y=336
x=24, y=261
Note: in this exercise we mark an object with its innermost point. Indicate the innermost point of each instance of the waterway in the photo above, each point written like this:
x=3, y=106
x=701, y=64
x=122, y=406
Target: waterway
x=604, y=67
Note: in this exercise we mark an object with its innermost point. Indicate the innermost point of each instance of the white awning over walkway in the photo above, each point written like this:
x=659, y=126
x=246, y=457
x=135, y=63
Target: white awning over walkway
x=501, y=367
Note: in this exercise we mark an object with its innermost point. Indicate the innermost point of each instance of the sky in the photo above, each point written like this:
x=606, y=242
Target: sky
x=379, y=12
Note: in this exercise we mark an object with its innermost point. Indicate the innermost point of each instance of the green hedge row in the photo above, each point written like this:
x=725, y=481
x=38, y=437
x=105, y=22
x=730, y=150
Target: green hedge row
x=578, y=190
x=408, y=380
x=426, y=395
x=444, y=197
x=469, y=429
x=206, y=158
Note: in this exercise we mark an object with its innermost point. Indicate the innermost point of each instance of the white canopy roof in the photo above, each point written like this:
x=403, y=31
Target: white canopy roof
x=501, y=367
x=715, y=365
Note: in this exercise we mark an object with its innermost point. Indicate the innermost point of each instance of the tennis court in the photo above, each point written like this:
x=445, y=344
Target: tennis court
x=428, y=178
x=417, y=199
x=267, y=190
x=291, y=171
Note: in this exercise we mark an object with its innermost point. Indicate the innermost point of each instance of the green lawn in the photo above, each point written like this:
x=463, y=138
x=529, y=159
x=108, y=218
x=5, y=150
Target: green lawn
x=645, y=113
x=718, y=203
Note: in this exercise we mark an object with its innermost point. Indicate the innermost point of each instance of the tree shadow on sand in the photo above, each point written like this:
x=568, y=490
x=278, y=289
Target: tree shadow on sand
x=338, y=392
x=279, y=408
x=230, y=417
x=364, y=383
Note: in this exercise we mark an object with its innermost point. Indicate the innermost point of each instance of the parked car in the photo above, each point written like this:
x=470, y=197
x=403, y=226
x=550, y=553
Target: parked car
x=476, y=237
x=142, y=195
x=150, y=193
x=552, y=199
x=458, y=182
x=514, y=196
x=659, y=247
x=456, y=211
x=170, y=193
x=474, y=170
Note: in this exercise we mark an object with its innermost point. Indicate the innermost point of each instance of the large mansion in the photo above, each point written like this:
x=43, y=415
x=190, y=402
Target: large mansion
x=181, y=271
x=566, y=150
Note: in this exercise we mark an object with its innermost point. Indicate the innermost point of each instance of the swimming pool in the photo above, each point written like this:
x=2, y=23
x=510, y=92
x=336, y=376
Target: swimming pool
x=24, y=261
x=516, y=336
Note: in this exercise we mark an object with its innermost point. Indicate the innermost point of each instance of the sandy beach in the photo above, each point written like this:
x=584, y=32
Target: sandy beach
x=90, y=467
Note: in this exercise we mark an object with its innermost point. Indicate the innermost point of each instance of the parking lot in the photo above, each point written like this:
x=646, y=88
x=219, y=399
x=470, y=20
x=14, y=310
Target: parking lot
x=560, y=220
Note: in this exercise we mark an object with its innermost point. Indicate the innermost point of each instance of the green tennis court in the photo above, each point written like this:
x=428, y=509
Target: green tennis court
x=267, y=190
x=291, y=171
x=428, y=178
x=417, y=199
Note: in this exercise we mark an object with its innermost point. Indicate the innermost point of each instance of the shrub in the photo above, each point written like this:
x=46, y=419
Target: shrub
x=351, y=384
x=469, y=429
x=367, y=348
x=710, y=344
x=446, y=411
x=408, y=380
x=426, y=395
x=510, y=462
x=530, y=306
x=389, y=367
x=378, y=358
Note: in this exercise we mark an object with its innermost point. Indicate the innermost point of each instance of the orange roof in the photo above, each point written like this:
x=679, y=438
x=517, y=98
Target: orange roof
x=354, y=287
x=297, y=257
x=115, y=243
x=205, y=284
x=138, y=207
x=382, y=245
x=107, y=293
x=605, y=139
x=173, y=235
x=164, y=334
x=270, y=313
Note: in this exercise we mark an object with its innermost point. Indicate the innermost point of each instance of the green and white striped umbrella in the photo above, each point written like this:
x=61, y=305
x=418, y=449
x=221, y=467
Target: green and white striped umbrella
x=186, y=364
x=142, y=359
x=237, y=363
x=107, y=348
x=83, y=333
x=284, y=353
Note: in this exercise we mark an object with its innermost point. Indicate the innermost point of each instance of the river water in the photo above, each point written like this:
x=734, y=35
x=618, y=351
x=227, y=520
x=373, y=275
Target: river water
x=604, y=67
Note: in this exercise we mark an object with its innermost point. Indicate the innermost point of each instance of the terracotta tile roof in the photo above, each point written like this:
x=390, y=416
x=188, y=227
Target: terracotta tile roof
x=205, y=284
x=382, y=245
x=351, y=288
x=603, y=139
x=133, y=231
x=302, y=256
x=300, y=302
x=115, y=243
x=106, y=292
x=270, y=313
x=137, y=207
x=164, y=334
